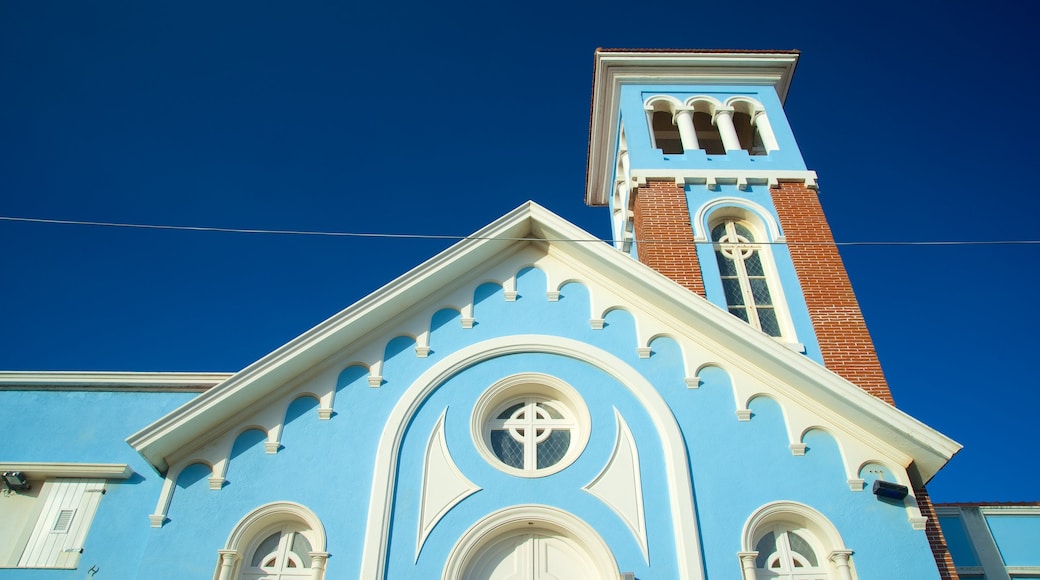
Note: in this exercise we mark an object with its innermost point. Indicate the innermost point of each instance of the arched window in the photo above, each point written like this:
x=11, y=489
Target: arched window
x=277, y=541
x=747, y=134
x=785, y=553
x=666, y=134
x=282, y=555
x=530, y=425
x=745, y=275
x=708, y=134
x=791, y=541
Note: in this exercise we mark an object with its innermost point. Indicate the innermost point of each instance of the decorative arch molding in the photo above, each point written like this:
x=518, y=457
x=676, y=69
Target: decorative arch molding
x=500, y=523
x=255, y=525
x=704, y=104
x=680, y=488
x=708, y=211
x=745, y=104
x=272, y=513
x=793, y=516
x=666, y=103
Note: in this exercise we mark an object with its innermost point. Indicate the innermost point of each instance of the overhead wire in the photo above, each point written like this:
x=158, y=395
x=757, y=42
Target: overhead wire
x=459, y=237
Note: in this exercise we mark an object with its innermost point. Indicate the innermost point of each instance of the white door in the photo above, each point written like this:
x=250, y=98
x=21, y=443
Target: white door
x=540, y=555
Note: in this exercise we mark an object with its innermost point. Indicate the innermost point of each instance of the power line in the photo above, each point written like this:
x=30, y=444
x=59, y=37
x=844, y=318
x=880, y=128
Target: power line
x=457, y=238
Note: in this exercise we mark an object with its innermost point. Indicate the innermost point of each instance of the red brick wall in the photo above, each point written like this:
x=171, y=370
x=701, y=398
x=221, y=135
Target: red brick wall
x=660, y=213
x=840, y=329
x=943, y=558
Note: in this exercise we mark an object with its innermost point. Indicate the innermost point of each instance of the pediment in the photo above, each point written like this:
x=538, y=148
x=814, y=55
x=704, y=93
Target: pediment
x=533, y=237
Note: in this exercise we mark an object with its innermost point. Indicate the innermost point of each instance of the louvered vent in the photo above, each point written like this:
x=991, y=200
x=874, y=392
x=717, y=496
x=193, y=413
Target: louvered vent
x=63, y=522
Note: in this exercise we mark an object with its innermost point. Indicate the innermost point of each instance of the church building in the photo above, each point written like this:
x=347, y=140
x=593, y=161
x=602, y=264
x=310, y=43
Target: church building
x=698, y=399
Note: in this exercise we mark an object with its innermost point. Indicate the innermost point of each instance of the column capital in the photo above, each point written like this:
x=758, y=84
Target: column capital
x=747, y=556
x=228, y=555
x=840, y=557
x=727, y=111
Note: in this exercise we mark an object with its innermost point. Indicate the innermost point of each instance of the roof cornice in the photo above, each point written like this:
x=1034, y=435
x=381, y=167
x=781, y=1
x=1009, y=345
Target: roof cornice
x=809, y=383
x=615, y=68
x=108, y=381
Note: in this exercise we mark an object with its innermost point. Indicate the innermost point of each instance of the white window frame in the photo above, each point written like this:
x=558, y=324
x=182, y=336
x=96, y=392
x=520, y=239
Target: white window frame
x=732, y=216
x=233, y=562
x=530, y=389
x=833, y=558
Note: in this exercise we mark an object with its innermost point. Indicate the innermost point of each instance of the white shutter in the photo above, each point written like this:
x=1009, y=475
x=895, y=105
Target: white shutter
x=61, y=530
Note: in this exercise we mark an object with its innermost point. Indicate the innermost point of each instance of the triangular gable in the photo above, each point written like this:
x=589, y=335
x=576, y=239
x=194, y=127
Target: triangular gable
x=817, y=391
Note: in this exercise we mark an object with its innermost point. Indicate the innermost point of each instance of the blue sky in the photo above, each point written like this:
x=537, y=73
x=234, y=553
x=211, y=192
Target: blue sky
x=436, y=119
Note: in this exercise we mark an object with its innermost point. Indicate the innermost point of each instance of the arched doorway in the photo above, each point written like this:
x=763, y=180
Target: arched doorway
x=531, y=555
x=530, y=542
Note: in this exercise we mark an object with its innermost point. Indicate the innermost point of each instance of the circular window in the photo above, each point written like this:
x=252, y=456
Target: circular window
x=530, y=425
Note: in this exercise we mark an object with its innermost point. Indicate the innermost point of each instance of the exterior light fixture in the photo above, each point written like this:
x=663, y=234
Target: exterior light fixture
x=888, y=490
x=15, y=480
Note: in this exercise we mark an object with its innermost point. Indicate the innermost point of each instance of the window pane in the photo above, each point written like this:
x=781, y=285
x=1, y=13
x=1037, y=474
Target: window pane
x=801, y=547
x=760, y=291
x=552, y=450
x=300, y=546
x=508, y=412
x=753, y=263
x=509, y=450
x=726, y=266
x=765, y=547
x=269, y=545
x=743, y=232
x=718, y=232
x=553, y=413
x=767, y=319
x=734, y=295
x=739, y=313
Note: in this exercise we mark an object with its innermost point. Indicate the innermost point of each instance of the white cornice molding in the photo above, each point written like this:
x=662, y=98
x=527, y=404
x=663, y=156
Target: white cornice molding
x=811, y=385
x=109, y=381
x=613, y=69
x=36, y=470
x=710, y=178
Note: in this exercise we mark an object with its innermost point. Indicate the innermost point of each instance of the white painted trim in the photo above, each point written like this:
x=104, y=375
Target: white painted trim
x=680, y=488
x=245, y=532
x=792, y=512
x=711, y=177
x=105, y=381
x=429, y=514
x=614, y=69
x=704, y=215
x=530, y=384
x=494, y=525
x=41, y=470
x=624, y=280
x=600, y=486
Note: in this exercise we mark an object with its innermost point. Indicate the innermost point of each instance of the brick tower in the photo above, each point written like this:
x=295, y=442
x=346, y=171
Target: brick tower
x=692, y=153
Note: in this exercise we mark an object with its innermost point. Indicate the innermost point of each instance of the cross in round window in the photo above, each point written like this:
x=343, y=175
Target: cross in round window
x=530, y=425
x=530, y=434
x=744, y=278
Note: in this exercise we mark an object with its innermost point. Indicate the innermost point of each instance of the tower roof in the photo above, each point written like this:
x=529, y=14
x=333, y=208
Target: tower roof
x=615, y=67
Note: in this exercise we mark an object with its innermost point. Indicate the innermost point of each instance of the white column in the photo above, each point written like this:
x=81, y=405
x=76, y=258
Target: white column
x=765, y=130
x=318, y=560
x=724, y=121
x=841, y=562
x=227, y=563
x=747, y=564
x=683, y=119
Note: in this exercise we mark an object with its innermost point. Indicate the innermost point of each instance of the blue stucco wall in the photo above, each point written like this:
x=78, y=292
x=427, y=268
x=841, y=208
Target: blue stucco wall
x=90, y=427
x=736, y=467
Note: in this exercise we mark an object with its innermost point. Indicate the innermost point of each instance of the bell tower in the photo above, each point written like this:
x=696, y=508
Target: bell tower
x=692, y=153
